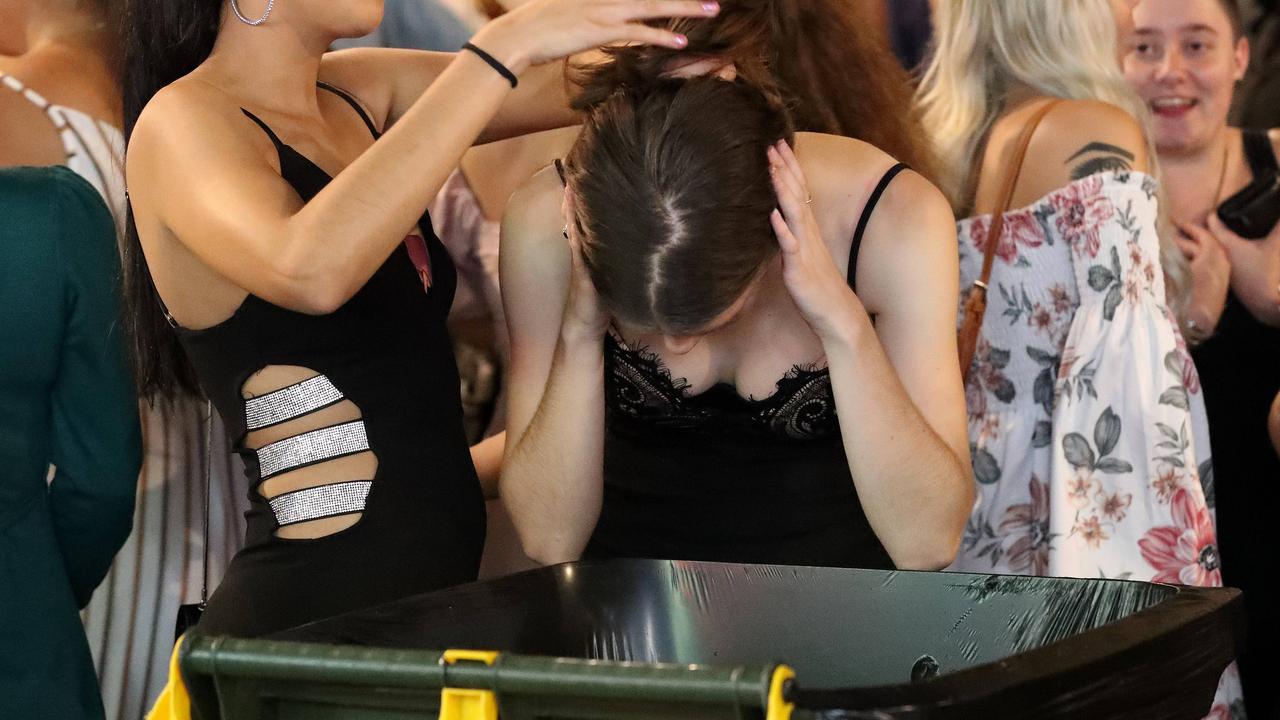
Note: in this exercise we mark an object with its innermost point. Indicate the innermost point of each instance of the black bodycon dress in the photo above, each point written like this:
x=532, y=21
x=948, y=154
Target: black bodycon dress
x=387, y=350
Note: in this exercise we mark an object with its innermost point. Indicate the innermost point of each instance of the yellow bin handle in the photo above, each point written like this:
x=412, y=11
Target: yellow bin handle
x=779, y=708
x=466, y=704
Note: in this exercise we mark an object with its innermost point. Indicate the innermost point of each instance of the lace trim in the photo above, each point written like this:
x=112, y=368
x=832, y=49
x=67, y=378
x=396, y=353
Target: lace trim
x=640, y=385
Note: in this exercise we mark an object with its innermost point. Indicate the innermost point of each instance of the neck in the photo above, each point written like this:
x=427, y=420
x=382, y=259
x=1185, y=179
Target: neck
x=54, y=24
x=274, y=65
x=1193, y=177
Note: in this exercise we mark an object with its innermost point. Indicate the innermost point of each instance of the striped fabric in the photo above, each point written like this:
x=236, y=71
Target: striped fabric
x=95, y=150
x=130, y=620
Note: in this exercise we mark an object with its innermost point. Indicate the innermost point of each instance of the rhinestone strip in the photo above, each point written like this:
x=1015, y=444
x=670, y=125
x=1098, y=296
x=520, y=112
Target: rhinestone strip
x=291, y=402
x=311, y=447
x=318, y=502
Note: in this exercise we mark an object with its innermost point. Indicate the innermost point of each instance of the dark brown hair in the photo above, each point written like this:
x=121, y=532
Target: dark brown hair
x=673, y=198
x=816, y=58
x=1232, y=9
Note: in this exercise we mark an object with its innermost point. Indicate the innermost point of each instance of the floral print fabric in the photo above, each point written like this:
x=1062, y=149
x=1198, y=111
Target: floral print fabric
x=1086, y=424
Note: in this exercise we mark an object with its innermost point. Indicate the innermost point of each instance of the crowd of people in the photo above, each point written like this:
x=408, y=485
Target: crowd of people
x=323, y=304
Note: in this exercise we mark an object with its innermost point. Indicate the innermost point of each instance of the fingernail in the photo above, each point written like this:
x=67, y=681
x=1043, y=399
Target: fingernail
x=710, y=8
x=680, y=41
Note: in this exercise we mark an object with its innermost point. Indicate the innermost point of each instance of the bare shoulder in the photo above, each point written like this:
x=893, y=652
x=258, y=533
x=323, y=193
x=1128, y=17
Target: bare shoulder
x=533, y=219
x=188, y=130
x=1078, y=138
x=27, y=136
x=1091, y=136
x=377, y=76
x=841, y=173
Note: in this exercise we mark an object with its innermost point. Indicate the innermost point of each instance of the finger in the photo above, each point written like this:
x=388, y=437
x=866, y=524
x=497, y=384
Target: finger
x=782, y=176
x=632, y=10
x=793, y=163
x=1195, y=233
x=790, y=202
x=632, y=33
x=1190, y=249
x=786, y=240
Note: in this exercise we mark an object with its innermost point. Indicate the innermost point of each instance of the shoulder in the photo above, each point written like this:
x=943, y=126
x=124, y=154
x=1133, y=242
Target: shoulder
x=372, y=75
x=49, y=196
x=532, y=221
x=841, y=173
x=1078, y=138
x=58, y=205
x=188, y=123
x=1077, y=132
x=1274, y=135
x=27, y=136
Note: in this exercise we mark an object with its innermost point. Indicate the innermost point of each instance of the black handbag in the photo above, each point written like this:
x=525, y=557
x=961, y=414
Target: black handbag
x=189, y=614
x=1255, y=210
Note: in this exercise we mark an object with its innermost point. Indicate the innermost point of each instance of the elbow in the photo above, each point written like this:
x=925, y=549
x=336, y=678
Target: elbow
x=936, y=544
x=307, y=288
x=550, y=549
x=934, y=554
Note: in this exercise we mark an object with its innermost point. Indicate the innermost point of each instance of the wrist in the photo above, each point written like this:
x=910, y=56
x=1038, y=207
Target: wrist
x=576, y=336
x=496, y=39
x=848, y=329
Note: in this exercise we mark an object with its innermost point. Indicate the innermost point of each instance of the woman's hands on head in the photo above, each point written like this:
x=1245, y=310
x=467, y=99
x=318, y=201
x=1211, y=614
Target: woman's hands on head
x=544, y=30
x=817, y=286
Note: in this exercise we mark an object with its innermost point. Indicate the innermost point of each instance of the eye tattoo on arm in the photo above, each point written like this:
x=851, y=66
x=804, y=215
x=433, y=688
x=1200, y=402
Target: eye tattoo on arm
x=1104, y=158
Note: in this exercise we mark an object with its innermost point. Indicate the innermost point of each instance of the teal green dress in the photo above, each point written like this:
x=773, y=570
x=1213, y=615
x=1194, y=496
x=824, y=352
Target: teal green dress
x=66, y=401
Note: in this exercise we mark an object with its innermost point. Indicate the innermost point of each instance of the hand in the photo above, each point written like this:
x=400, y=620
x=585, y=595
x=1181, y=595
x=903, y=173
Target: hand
x=1210, y=276
x=584, y=316
x=816, y=285
x=1255, y=269
x=544, y=30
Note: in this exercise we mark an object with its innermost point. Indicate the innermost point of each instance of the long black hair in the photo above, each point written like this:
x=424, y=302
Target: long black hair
x=163, y=41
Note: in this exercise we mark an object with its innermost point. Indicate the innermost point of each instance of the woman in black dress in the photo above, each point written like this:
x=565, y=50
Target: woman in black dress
x=279, y=241
x=1184, y=58
x=681, y=350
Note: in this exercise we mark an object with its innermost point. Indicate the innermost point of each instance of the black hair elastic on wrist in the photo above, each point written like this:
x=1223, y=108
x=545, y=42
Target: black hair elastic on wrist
x=493, y=63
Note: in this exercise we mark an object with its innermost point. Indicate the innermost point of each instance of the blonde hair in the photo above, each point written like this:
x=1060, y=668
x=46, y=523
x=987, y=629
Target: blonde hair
x=1060, y=48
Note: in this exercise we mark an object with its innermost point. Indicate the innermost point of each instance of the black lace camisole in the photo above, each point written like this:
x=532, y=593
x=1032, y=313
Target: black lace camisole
x=715, y=476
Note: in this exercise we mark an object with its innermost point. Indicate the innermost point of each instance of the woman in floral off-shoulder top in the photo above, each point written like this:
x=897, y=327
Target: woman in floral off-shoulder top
x=1086, y=423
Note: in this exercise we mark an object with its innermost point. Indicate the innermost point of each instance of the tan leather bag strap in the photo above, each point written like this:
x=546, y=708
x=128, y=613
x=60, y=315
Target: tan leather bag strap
x=976, y=305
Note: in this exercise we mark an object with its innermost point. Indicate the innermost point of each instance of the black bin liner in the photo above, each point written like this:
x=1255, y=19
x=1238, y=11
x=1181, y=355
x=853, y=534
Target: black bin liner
x=864, y=643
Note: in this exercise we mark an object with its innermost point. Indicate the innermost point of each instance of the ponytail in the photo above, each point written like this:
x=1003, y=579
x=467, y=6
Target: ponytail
x=163, y=41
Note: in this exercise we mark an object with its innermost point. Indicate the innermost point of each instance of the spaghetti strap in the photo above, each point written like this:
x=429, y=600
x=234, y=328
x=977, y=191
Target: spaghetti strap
x=1259, y=153
x=275, y=140
x=888, y=177
x=368, y=121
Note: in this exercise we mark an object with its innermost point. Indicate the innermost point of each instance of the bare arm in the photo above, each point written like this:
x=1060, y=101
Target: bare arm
x=897, y=383
x=552, y=478
x=195, y=172
x=390, y=81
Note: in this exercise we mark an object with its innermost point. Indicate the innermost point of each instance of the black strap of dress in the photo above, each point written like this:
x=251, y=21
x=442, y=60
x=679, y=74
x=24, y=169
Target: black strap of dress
x=364, y=116
x=1259, y=153
x=866, y=218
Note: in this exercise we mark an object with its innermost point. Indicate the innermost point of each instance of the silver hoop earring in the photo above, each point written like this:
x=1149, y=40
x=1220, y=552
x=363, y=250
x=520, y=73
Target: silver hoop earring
x=235, y=8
